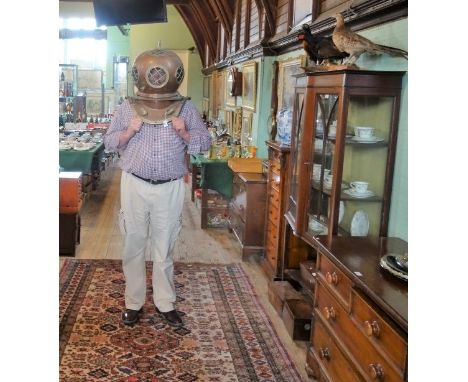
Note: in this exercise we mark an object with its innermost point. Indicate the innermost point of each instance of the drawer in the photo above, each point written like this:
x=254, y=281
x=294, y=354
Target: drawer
x=307, y=269
x=329, y=357
x=279, y=292
x=381, y=334
x=297, y=318
x=272, y=231
x=274, y=198
x=273, y=215
x=275, y=165
x=274, y=181
x=236, y=224
x=336, y=280
x=372, y=363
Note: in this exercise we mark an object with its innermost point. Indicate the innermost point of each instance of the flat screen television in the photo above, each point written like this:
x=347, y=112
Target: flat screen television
x=122, y=12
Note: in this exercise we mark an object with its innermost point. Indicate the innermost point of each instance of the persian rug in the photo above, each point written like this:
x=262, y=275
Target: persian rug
x=226, y=334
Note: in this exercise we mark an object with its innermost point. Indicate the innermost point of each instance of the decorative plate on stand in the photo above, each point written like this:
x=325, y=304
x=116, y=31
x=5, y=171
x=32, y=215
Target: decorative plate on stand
x=360, y=223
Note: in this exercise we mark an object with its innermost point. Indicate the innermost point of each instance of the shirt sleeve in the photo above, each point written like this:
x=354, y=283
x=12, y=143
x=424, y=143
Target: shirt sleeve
x=119, y=123
x=200, y=139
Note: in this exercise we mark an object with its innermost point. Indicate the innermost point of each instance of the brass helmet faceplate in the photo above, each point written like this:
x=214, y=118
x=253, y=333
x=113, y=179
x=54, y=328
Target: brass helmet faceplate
x=157, y=74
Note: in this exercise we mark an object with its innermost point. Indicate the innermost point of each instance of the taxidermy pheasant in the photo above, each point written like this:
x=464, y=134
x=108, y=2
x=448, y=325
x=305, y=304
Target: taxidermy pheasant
x=319, y=48
x=355, y=44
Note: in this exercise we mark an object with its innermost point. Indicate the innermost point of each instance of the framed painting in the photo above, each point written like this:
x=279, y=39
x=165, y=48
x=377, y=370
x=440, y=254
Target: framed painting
x=286, y=83
x=246, y=128
x=230, y=99
x=90, y=79
x=249, y=85
x=237, y=124
x=206, y=87
x=229, y=121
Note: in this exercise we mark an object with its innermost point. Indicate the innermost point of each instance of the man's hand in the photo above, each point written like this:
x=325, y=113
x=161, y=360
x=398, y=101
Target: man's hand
x=135, y=125
x=178, y=124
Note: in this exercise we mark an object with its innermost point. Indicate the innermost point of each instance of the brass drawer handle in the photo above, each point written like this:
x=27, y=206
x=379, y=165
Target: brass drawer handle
x=324, y=353
x=330, y=313
x=332, y=278
x=372, y=328
x=376, y=371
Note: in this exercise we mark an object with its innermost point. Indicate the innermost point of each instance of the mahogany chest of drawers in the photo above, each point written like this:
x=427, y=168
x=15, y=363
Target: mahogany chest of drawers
x=278, y=169
x=361, y=313
x=247, y=211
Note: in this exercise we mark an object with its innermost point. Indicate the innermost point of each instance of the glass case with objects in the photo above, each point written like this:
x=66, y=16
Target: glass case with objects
x=297, y=132
x=345, y=150
x=68, y=77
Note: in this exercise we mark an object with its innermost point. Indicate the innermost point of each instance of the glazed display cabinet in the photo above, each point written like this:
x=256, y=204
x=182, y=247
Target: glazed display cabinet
x=342, y=153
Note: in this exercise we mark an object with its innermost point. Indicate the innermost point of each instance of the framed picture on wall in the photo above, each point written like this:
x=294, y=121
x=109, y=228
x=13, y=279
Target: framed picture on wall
x=249, y=85
x=229, y=121
x=230, y=99
x=206, y=87
x=90, y=79
x=286, y=83
x=246, y=128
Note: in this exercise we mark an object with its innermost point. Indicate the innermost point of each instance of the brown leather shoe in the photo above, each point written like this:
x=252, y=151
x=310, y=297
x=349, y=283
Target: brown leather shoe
x=131, y=316
x=172, y=317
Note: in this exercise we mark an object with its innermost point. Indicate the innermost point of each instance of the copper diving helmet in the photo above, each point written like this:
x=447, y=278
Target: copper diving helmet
x=157, y=74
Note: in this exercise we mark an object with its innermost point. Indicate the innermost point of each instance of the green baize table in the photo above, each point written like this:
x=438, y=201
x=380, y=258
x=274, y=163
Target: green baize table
x=73, y=160
x=215, y=174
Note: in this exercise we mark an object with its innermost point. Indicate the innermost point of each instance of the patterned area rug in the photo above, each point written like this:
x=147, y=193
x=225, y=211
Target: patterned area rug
x=226, y=337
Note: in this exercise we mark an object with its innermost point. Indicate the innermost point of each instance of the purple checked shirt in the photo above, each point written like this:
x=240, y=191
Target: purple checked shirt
x=156, y=151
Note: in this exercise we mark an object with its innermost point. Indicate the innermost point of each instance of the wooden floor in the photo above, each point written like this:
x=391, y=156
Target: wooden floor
x=101, y=239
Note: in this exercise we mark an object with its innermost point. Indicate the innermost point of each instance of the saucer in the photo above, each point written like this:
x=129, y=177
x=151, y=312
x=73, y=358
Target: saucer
x=367, y=139
x=355, y=194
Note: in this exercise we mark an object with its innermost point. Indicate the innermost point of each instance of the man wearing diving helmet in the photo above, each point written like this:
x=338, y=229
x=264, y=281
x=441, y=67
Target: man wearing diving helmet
x=153, y=131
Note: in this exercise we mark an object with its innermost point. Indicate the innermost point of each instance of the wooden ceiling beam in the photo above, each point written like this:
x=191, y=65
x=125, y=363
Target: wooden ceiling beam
x=186, y=13
x=269, y=7
x=223, y=13
x=204, y=16
x=171, y=2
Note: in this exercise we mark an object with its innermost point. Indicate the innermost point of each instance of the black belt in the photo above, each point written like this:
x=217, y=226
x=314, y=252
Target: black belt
x=151, y=181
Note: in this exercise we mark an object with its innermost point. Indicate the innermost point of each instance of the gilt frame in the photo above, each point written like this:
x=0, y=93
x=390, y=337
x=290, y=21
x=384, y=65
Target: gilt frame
x=286, y=82
x=249, y=86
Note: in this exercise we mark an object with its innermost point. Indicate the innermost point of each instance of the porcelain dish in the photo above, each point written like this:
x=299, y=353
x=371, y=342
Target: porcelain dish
x=388, y=263
x=360, y=223
x=359, y=195
x=367, y=139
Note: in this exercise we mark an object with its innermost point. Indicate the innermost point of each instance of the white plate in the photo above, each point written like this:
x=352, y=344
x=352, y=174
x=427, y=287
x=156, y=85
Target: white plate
x=359, y=195
x=360, y=223
x=341, y=212
x=367, y=140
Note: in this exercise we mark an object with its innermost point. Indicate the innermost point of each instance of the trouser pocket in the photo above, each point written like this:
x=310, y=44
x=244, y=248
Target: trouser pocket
x=123, y=228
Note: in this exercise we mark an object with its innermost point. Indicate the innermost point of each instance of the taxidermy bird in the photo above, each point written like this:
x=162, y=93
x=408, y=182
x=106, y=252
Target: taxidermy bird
x=319, y=48
x=354, y=44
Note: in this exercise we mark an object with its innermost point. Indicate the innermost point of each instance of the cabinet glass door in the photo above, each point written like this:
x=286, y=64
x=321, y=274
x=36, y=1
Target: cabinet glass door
x=365, y=165
x=323, y=154
x=296, y=154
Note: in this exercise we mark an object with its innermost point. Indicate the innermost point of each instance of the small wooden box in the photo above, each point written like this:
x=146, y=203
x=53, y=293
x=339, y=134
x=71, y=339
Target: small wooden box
x=308, y=271
x=297, y=317
x=278, y=292
x=70, y=197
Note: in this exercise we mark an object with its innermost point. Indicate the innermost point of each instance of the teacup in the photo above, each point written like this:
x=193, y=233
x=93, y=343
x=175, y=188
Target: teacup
x=364, y=132
x=359, y=187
